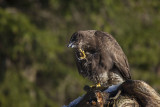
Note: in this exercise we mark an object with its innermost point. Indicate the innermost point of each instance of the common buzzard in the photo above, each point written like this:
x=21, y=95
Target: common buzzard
x=99, y=57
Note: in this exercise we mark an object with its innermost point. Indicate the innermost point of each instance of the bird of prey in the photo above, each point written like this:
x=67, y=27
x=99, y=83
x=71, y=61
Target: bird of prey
x=100, y=58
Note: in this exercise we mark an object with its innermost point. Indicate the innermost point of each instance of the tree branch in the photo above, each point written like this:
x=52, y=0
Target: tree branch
x=134, y=93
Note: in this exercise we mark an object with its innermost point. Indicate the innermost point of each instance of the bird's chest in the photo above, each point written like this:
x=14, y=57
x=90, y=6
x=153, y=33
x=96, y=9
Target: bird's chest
x=94, y=71
x=96, y=68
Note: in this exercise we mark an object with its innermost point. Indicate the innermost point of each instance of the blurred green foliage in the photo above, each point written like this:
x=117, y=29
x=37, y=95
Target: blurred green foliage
x=37, y=69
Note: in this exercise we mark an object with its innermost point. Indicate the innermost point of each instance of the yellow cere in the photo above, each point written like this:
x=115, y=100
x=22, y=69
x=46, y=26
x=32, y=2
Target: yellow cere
x=82, y=54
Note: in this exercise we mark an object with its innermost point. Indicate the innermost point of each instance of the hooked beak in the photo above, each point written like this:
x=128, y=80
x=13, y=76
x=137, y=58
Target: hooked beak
x=81, y=54
x=72, y=45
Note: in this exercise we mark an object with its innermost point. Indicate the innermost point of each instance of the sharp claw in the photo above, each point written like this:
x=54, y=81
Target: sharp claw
x=82, y=54
x=98, y=85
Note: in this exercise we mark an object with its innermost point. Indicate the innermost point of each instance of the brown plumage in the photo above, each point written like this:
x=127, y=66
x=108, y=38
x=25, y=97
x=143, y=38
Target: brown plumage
x=99, y=57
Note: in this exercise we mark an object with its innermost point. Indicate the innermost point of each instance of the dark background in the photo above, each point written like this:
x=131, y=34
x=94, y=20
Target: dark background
x=36, y=67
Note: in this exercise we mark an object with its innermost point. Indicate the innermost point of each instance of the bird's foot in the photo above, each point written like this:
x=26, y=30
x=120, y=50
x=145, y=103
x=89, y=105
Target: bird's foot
x=95, y=86
x=98, y=85
x=82, y=54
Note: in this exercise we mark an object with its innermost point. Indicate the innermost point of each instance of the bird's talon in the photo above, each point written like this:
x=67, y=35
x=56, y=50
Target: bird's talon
x=92, y=86
x=82, y=54
x=98, y=85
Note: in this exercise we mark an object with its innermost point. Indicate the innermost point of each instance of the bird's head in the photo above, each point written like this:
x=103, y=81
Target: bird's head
x=84, y=43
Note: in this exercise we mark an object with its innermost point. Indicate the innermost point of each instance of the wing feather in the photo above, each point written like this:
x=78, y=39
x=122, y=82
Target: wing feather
x=118, y=57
